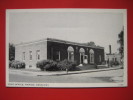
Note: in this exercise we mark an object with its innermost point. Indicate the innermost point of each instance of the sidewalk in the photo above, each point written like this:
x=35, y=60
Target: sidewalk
x=48, y=73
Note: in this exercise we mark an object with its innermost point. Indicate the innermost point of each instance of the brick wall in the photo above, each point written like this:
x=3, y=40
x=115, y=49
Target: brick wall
x=62, y=47
x=47, y=47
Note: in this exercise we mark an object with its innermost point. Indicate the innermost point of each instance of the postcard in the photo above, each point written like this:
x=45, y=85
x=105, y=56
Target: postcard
x=66, y=48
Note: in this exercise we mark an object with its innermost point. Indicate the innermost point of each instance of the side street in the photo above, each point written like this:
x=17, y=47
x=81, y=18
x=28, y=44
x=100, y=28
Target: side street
x=114, y=74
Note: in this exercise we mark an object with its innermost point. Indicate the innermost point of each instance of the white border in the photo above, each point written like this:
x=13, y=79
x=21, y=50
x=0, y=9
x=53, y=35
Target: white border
x=67, y=85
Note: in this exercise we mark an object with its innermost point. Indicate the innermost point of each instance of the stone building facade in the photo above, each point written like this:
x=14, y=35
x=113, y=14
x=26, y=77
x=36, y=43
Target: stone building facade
x=58, y=50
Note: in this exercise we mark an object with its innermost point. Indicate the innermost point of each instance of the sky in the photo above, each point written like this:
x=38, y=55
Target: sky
x=101, y=28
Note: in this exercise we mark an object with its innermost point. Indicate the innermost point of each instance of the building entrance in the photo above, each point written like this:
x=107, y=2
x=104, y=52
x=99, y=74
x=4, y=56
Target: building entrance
x=82, y=59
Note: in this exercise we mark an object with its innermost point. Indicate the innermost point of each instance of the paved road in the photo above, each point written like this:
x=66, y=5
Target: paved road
x=94, y=77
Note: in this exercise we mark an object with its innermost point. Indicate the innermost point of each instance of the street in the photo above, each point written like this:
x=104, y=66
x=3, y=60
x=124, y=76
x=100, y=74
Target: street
x=93, y=77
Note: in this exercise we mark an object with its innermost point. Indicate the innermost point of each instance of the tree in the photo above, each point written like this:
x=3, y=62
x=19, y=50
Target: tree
x=91, y=43
x=11, y=51
x=121, y=42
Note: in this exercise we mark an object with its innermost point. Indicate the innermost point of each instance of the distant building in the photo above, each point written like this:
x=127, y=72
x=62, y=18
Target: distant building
x=113, y=57
x=58, y=50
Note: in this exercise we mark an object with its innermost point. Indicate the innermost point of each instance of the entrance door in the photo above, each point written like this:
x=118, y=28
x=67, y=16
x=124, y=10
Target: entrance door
x=86, y=59
x=82, y=59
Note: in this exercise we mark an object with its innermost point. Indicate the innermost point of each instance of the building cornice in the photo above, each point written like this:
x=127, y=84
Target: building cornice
x=73, y=43
x=59, y=41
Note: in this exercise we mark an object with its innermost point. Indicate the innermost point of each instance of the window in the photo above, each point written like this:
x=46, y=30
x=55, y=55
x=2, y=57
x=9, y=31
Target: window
x=82, y=54
x=30, y=55
x=71, y=56
x=70, y=51
x=23, y=56
x=38, y=54
x=91, y=56
x=100, y=59
x=57, y=55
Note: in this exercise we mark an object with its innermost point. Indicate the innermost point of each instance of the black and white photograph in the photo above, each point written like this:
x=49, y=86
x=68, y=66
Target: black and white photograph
x=66, y=48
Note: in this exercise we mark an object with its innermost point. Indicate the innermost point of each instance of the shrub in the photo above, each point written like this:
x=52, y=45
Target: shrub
x=48, y=65
x=17, y=64
x=114, y=63
x=67, y=64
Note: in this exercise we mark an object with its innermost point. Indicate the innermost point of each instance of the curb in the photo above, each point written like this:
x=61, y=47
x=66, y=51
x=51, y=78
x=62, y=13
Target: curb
x=31, y=73
x=78, y=72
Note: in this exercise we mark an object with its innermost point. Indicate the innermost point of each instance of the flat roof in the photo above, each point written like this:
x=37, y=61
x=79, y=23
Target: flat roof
x=73, y=43
x=59, y=41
